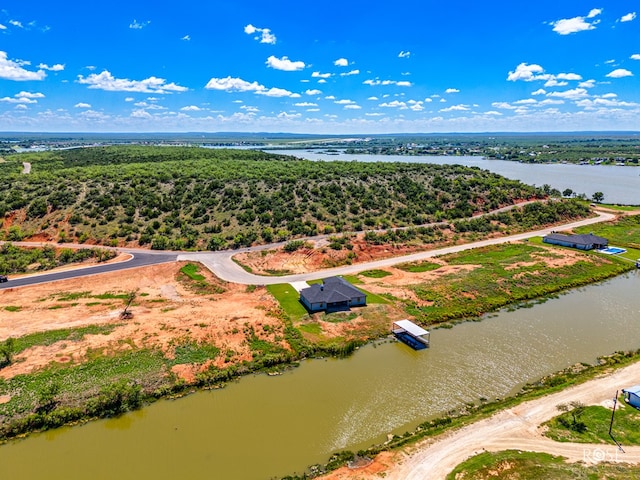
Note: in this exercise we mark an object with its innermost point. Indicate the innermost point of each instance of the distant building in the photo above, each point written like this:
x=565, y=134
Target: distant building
x=333, y=294
x=581, y=242
x=632, y=396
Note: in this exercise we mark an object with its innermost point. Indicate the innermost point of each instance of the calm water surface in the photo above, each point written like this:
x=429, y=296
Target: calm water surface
x=619, y=184
x=261, y=427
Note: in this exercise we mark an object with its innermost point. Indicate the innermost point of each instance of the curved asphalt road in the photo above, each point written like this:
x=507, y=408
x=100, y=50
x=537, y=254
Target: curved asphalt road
x=223, y=266
x=138, y=259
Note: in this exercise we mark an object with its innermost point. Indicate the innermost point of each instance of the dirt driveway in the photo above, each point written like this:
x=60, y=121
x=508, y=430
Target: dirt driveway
x=515, y=428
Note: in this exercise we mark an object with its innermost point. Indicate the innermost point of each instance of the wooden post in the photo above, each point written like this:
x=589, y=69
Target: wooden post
x=613, y=412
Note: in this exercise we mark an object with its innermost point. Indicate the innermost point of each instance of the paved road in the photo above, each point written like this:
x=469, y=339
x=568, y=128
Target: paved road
x=139, y=259
x=223, y=266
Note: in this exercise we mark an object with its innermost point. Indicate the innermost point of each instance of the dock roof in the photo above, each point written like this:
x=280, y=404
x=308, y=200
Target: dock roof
x=411, y=327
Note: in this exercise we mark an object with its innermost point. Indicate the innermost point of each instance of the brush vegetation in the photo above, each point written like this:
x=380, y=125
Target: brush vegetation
x=188, y=198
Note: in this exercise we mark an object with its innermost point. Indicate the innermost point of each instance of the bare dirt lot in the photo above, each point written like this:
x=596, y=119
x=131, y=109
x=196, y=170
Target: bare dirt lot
x=166, y=311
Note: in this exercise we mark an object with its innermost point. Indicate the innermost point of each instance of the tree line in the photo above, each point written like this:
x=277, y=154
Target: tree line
x=188, y=198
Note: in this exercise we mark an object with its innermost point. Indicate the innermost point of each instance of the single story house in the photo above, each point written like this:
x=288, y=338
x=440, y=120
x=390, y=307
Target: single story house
x=581, y=242
x=334, y=293
x=632, y=396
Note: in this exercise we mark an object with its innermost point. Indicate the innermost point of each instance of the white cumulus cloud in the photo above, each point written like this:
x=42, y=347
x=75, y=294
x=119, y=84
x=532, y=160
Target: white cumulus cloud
x=635, y=56
x=82, y=105
x=619, y=73
x=567, y=26
x=12, y=70
x=284, y=64
x=320, y=75
x=23, y=97
x=573, y=94
x=628, y=17
x=587, y=84
x=265, y=34
x=277, y=92
x=569, y=76
x=106, y=81
x=394, y=104
x=404, y=54
x=376, y=82
x=58, y=67
x=314, y=91
x=191, y=108
x=456, y=108
x=527, y=73
x=452, y=90
x=352, y=72
x=341, y=62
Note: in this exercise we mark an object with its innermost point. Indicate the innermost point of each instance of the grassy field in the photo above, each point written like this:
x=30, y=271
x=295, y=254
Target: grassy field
x=375, y=273
x=82, y=381
x=514, y=464
x=499, y=275
x=596, y=420
x=418, y=267
x=622, y=233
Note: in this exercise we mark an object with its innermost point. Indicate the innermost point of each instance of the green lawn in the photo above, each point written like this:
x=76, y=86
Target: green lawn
x=516, y=464
x=623, y=233
x=288, y=298
x=375, y=273
x=626, y=426
x=418, y=267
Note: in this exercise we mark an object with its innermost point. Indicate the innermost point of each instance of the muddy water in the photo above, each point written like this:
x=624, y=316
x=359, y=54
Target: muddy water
x=262, y=427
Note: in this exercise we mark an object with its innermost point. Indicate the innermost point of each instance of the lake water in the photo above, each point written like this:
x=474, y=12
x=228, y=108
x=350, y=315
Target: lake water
x=263, y=427
x=619, y=184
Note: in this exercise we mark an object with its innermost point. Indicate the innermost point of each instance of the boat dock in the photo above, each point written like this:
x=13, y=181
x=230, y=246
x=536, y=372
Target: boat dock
x=413, y=335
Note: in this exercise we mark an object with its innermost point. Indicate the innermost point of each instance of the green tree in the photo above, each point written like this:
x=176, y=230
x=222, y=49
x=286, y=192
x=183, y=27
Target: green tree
x=7, y=350
x=47, y=397
x=598, y=197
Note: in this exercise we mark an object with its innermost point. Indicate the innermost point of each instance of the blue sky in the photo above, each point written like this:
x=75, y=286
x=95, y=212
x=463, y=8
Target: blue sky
x=348, y=67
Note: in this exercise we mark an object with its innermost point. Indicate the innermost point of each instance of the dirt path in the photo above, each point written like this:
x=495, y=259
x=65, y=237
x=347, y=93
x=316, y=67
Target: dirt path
x=516, y=428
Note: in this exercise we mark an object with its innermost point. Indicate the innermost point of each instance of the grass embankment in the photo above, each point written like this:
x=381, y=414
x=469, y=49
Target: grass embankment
x=590, y=424
x=499, y=275
x=512, y=464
